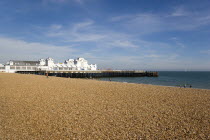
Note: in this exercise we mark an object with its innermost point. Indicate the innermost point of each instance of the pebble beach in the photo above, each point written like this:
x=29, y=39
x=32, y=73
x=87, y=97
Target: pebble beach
x=37, y=107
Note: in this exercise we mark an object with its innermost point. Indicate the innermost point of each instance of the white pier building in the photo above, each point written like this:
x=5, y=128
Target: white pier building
x=47, y=64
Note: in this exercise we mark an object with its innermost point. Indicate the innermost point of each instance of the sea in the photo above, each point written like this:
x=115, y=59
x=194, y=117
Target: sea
x=193, y=79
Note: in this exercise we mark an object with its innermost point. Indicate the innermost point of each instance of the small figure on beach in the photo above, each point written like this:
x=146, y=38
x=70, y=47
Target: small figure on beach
x=110, y=79
x=190, y=86
x=47, y=75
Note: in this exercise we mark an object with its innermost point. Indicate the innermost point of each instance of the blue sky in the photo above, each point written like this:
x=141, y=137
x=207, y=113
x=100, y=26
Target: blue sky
x=117, y=34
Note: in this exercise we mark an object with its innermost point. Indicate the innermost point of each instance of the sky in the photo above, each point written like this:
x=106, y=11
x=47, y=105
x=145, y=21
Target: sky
x=152, y=35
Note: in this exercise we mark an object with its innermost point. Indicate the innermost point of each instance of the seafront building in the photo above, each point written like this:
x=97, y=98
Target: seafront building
x=47, y=64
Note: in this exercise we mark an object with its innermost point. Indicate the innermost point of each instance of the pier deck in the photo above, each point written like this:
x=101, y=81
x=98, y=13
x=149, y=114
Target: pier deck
x=93, y=74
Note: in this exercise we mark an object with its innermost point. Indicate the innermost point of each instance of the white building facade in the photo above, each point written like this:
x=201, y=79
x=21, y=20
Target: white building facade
x=48, y=64
x=2, y=68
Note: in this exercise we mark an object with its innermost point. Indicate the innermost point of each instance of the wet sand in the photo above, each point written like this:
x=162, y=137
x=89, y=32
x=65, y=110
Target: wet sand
x=36, y=107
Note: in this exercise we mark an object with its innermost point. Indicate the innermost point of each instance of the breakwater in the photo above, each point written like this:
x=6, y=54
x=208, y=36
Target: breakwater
x=93, y=74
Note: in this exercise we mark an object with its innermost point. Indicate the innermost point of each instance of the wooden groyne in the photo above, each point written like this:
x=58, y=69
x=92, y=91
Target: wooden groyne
x=94, y=74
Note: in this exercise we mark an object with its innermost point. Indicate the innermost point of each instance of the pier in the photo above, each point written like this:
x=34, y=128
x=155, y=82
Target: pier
x=93, y=74
x=70, y=68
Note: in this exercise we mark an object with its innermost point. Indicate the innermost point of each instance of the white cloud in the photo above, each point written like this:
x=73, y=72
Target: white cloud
x=153, y=56
x=64, y=1
x=79, y=1
x=89, y=32
x=123, y=44
x=206, y=52
x=119, y=18
x=106, y=47
x=55, y=27
x=82, y=25
x=56, y=1
x=19, y=49
x=22, y=50
x=179, y=11
x=180, y=19
x=178, y=42
x=79, y=32
x=148, y=61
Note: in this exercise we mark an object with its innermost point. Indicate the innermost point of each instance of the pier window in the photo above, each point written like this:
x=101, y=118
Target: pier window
x=24, y=68
x=29, y=68
x=12, y=68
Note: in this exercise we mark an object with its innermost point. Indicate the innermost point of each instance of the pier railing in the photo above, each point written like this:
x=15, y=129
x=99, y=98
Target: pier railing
x=93, y=74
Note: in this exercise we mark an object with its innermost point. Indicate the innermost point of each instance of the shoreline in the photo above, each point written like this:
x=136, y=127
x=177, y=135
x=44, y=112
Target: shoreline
x=36, y=107
x=98, y=79
x=153, y=84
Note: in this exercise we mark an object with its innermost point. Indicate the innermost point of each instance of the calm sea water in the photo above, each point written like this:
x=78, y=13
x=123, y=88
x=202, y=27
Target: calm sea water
x=166, y=78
